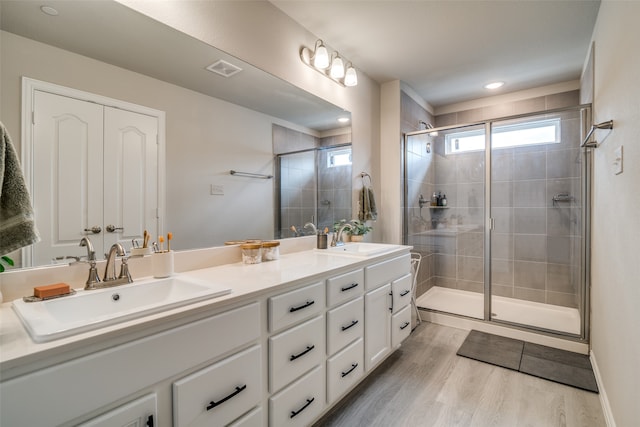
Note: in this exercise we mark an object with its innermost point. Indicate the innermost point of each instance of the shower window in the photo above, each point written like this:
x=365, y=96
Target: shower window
x=339, y=158
x=506, y=136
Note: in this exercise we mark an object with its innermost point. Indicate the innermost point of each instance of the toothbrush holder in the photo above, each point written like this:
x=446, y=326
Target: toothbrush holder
x=162, y=264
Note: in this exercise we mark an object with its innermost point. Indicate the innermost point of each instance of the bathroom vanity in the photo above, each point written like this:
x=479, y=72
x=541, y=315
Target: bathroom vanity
x=292, y=338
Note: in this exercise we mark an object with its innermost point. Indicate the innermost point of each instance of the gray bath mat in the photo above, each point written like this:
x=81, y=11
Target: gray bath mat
x=549, y=363
x=494, y=349
x=560, y=366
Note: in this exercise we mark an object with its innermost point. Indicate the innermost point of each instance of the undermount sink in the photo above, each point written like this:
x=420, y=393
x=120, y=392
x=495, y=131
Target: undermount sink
x=358, y=249
x=88, y=310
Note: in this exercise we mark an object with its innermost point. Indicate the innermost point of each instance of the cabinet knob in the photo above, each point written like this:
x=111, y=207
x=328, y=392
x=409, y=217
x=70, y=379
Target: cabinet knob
x=95, y=229
x=111, y=228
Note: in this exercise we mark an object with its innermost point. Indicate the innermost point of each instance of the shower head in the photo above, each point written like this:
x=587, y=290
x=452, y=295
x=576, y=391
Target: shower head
x=425, y=124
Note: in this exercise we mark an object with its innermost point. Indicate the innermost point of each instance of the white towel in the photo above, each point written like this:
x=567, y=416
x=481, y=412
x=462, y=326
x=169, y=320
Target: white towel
x=17, y=226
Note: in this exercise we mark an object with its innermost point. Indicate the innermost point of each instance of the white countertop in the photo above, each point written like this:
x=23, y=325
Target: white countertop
x=17, y=349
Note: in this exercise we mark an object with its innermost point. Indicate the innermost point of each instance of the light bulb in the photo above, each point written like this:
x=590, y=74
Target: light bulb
x=337, y=68
x=321, y=57
x=350, y=78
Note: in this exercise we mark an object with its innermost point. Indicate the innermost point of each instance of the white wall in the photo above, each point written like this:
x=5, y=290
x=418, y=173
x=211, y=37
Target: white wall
x=205, y=138
x=615, y=252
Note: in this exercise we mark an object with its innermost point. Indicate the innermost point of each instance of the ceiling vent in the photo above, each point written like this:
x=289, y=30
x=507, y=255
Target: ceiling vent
x=224, y=68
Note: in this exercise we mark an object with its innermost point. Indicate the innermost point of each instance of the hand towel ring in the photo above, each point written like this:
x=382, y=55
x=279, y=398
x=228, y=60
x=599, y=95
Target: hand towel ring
x=364, y=175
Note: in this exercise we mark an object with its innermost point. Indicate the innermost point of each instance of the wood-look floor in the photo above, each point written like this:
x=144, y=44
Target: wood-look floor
x=425, y=383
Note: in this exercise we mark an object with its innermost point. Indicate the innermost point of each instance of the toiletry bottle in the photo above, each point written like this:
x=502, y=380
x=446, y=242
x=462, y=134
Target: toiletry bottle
x=444, y=200
x=439, y=199
x=434, y=199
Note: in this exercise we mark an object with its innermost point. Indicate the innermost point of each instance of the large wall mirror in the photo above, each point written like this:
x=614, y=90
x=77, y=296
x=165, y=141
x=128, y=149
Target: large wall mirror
x=214, y=124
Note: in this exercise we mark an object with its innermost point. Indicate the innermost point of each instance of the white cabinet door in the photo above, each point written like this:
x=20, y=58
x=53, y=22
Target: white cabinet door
x=139, y=413
x=67, y=188
x=130, y=176
x=377, y=325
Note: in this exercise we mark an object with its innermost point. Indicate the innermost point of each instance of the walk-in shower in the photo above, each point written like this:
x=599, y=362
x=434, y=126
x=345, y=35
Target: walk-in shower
x=499, y=211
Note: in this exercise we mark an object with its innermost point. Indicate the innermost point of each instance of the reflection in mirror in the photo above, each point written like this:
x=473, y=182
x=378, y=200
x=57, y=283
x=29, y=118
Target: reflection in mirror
x=313, y=184
x=213, y=123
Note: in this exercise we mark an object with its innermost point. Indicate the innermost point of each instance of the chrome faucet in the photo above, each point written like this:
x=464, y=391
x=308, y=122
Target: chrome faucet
x=94, y=277
x=110, y=278
x=312, y=226
x=337, y=237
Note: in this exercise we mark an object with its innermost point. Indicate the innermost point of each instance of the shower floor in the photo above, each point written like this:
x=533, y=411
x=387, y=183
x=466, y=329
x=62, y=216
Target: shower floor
x=471, y=304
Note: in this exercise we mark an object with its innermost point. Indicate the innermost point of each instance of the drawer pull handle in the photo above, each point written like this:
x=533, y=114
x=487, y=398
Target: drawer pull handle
x=403, y=293
x=295, y=356
x=404, y=325
x=220, y=402
x=351, y=286
x=309, y=402
x=353, y=366
x=307, y=304
x=353, y=323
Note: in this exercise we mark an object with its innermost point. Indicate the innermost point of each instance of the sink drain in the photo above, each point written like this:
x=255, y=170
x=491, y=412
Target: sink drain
x=115, y=297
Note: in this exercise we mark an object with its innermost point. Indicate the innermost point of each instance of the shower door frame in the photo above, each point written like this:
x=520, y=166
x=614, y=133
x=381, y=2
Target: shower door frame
x=586, y=191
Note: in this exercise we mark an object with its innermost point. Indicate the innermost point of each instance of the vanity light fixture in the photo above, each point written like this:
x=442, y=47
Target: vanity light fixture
x=350, y=78
x=337, y=67
x=493, y=85
x=331, y=66
x=320, y=57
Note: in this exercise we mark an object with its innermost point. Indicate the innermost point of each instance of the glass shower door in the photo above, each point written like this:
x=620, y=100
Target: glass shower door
x=444, y=217
x=536, y=210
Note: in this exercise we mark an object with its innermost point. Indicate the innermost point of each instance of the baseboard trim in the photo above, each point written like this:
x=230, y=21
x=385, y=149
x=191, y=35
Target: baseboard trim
x=604, y=400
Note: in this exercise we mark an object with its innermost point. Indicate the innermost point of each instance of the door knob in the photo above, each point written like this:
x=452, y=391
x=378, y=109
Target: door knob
x=111, y=228
x=95, y=229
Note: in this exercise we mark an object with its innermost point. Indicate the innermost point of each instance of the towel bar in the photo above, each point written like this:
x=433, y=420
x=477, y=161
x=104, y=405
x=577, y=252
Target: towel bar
x=250, y=175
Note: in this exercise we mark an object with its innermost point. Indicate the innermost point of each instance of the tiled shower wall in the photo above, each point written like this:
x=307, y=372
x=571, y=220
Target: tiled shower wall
x=306, y=193
x=536, y=243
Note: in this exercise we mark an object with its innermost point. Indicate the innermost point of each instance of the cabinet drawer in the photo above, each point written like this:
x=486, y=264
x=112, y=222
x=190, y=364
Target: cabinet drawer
x=220, y=393
x=384, y=272
x=300, y=403
x=295, y=351
x=345, y=287
x=401, y=290
x=344, y=370
x=400, y=326
x=140, y=412
x=252, y=419
x=345, y=324
x=294, y=306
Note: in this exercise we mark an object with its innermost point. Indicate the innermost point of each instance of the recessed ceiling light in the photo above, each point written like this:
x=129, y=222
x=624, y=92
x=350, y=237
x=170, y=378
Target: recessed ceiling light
x=494, y=85
x=343, y=119
x=49, y=10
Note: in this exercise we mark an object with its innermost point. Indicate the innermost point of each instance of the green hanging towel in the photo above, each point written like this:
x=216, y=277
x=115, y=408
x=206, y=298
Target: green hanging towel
x=17, y=226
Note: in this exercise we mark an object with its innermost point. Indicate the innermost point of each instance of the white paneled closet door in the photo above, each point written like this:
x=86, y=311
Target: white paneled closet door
x=67, y=179
x=95, y=173
x=130, y=176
